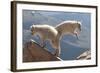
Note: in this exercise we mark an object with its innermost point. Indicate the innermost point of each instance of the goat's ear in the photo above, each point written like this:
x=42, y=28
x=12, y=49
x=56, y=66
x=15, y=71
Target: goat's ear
x=32, y=26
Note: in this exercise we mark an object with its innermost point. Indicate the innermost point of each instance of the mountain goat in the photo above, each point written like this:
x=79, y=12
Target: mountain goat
x=47, y=32
x=68, y=27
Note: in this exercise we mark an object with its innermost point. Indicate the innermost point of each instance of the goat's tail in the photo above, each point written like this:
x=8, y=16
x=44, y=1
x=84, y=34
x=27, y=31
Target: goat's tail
x=59, y=35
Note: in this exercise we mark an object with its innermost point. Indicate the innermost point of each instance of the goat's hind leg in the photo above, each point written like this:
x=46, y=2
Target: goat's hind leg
x=57, y=48
x=57, y=52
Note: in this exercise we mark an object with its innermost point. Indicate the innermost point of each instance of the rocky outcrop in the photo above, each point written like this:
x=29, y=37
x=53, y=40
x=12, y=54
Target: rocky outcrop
x=33, y=52
x=84, y=56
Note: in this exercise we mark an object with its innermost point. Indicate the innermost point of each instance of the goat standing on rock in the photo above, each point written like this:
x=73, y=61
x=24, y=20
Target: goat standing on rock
x=47, y=32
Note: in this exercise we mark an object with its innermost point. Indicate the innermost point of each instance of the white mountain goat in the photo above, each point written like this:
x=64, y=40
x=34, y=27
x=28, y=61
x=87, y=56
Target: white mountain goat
x=54, y=34
x=46, y=32
x=68, y=27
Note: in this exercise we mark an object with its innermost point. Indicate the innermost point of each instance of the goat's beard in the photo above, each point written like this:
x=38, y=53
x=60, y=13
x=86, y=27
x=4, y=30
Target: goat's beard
x=32, y=33
x=76, y=34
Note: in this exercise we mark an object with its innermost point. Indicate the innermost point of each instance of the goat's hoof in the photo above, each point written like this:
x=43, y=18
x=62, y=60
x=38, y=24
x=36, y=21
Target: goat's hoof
x=56, y=55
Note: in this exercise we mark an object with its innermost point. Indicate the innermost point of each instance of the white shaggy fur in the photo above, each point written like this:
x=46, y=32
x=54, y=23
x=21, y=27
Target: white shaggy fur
x=47, y=32
x=68, y=27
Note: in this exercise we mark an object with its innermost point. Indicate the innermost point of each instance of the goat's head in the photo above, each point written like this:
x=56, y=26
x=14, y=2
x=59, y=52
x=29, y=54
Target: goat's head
x=78, y=29
x=32, y=29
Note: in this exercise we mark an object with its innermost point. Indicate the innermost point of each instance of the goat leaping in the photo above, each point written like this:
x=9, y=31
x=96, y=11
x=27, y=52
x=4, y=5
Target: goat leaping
x=69, y=27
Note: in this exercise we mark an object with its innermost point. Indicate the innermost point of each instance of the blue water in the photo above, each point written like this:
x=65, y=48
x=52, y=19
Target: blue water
x=71, y=47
